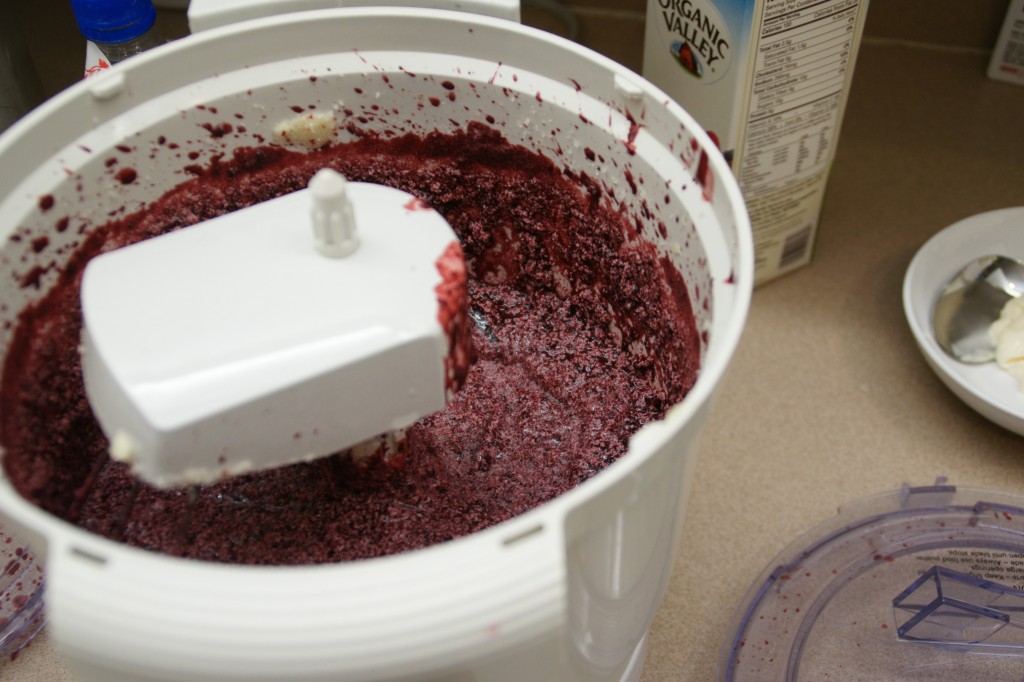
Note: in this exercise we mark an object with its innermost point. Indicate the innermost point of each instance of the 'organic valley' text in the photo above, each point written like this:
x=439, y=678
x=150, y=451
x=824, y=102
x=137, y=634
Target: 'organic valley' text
x=696, y=27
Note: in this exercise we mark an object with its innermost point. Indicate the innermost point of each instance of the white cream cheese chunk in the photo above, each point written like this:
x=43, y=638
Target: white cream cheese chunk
x=1007, y=334
x=312, y=129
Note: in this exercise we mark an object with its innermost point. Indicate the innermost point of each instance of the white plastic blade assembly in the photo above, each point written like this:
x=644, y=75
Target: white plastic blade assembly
x=252, y=341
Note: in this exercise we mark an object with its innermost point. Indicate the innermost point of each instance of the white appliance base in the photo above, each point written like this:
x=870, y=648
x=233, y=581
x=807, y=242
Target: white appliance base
x=636, y=663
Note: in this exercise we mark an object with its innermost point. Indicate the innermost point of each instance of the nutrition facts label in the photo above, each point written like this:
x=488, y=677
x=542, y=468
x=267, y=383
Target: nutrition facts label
x=802, y=61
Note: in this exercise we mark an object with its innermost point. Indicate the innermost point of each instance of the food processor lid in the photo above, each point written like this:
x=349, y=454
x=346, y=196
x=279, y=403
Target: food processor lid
x=21, y=593
x=922, y=583
x=113, y=21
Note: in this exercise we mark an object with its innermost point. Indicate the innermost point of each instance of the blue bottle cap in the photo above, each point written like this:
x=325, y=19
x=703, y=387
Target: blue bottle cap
x=113, y=21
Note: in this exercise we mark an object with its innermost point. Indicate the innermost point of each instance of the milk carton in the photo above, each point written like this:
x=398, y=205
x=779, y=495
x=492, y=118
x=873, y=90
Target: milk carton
x=769, y=80
x=1007, y=63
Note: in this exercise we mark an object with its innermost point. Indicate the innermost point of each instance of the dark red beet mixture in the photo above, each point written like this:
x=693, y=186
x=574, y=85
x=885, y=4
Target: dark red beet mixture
x=580, y=339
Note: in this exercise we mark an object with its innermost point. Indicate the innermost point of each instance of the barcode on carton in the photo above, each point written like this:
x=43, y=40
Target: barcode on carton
x=795, y=246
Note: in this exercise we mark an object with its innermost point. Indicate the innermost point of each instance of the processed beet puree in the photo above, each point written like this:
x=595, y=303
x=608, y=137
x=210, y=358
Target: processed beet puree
x=581, y=335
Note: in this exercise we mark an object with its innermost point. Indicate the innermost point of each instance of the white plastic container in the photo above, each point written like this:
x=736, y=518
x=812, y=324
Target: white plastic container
x=206, y=14
x=564, y=592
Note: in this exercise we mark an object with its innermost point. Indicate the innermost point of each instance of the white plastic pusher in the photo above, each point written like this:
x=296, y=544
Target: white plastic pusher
x=251, y=341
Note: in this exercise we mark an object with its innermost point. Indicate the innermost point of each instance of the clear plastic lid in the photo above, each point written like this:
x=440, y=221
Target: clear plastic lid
x=920, y=583
x=21, y=594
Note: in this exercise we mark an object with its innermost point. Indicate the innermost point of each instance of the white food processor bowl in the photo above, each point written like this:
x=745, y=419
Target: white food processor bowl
x=564, y=592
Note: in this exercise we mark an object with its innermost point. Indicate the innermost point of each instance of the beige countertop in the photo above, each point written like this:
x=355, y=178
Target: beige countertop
x=828, y=399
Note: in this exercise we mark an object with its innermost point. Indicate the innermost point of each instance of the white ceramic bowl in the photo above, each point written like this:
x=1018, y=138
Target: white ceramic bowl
x=985, y=388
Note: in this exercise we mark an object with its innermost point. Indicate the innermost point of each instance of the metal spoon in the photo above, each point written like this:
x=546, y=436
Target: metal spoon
x=971, y=301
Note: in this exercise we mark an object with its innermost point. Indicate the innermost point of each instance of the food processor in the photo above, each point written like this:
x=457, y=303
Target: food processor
x=566, y=591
